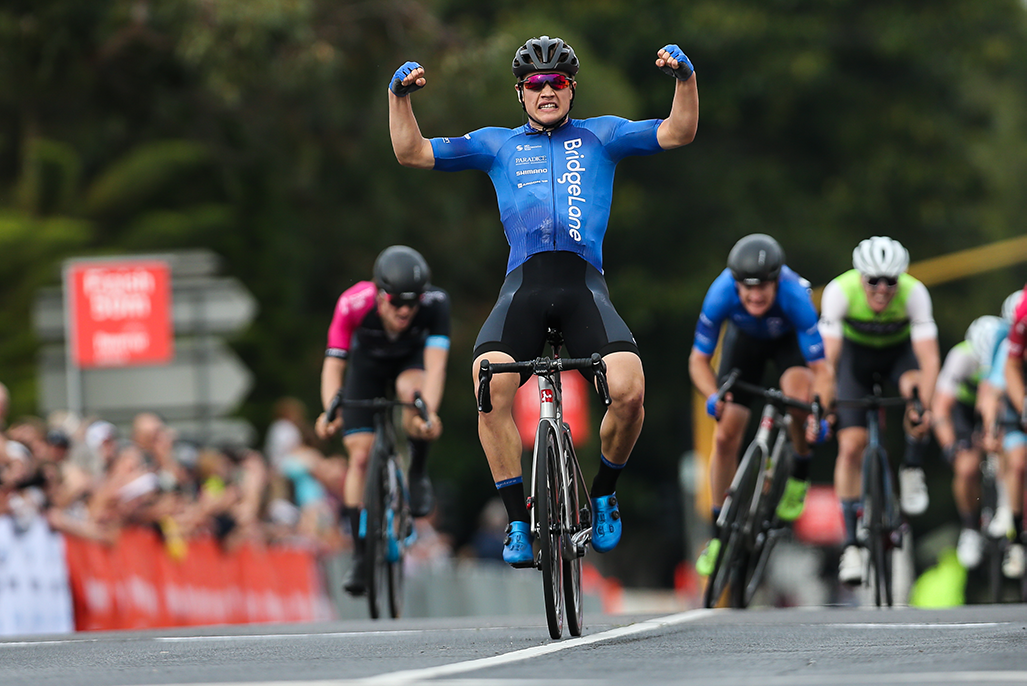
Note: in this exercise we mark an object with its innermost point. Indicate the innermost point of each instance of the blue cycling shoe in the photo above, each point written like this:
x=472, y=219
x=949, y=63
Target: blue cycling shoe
x=606, y=523
x=517, y=550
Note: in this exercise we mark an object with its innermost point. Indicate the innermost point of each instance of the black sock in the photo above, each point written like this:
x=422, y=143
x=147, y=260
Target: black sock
x=512, y=493
x=1018, y=525
x=915, y=449
x=353, y=514
x=418, y=456
x=850, y=514
x=713, y=523
x=969, y=520
x=605, y=482
x=800, y=467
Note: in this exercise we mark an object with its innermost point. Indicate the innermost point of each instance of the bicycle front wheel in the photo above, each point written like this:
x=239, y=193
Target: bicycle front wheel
x=571, y=524
x=400, y=527
x=376, y=551
x=547, y=518
x=732, y=528
x=769, y=490
x=878, y=527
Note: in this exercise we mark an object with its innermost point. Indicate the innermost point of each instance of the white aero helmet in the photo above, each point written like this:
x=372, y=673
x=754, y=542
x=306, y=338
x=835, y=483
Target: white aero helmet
x=880, y=256
x=981, y=335
x=1010, y=304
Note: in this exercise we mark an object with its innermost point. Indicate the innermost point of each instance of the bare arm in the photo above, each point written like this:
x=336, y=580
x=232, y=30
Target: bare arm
x=435, y=359
x=679, y=128
x=941, y=408
x=331, y=381
x=823, y=381
x=929, y=359
x=411, y=148
x=1014, y=382
x=701, y=372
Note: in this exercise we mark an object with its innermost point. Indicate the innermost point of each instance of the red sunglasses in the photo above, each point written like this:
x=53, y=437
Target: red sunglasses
x=537, y=82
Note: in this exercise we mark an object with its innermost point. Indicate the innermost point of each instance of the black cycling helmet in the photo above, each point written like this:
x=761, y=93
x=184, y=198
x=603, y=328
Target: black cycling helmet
x=544, y=54
x=756, y=258
x=401, y=270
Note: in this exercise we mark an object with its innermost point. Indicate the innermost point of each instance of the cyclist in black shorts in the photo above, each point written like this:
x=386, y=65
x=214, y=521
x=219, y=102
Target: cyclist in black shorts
x=554, y=181
x=387, y=335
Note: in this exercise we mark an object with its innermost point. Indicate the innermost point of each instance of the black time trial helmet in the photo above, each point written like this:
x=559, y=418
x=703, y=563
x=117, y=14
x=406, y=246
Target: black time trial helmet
x=400, y=270
x=756, y=258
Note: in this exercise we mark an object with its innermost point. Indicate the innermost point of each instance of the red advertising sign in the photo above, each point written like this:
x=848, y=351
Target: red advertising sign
x=575, y=409
x=119, y=313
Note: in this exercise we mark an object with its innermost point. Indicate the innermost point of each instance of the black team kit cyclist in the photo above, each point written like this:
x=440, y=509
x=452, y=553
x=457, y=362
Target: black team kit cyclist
x=387, y=336
x=553, y=178
x=770, y=318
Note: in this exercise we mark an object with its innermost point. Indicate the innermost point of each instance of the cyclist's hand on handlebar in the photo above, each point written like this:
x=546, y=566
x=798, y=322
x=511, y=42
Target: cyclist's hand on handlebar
x=326, y=430
x=715, y=405
x=917, y=424
x=426, y=431
x=818, y=431
x=407, y=79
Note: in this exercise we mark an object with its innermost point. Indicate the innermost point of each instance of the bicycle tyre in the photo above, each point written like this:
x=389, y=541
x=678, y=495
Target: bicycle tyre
x=571, y=525
x=873, y=511
x=398, y=530
x=377, y=571
x=762, y=538
x=547, y=518
x=731, y=533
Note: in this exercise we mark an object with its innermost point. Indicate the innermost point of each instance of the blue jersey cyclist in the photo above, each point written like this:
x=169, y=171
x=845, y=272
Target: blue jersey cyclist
x=770, y=317
x=554, y=179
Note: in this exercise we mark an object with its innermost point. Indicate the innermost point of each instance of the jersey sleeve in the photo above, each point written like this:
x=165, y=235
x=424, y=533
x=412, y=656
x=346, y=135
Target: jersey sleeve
x=960, y=366
x=624, y=137
x=714, y=311
x=475, y=150
x=1017, y=337
x=834, y=305
x=798, y=305
x=921, y=314
x=439, y=327
x=351, y=308
x=997, y=374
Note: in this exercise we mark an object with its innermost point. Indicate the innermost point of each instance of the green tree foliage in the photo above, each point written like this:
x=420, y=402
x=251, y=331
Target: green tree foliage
x=259, y=129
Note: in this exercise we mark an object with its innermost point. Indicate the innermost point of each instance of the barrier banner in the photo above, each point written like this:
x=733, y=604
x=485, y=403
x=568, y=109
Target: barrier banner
x=135, y=584
x=34, y=597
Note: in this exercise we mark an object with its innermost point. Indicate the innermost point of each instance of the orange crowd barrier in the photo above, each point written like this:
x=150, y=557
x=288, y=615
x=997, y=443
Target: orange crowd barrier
x=136, y=584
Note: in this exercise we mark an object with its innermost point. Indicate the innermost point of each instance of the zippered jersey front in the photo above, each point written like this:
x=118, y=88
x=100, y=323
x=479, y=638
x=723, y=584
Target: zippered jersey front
x=554, y=189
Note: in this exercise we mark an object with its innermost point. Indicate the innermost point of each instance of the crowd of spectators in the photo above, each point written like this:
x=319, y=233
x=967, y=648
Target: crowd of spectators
x=90, y=479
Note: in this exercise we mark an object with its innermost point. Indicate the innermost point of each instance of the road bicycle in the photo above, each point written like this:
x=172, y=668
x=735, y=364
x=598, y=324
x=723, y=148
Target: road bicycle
x=748, y=526
x=385, y=522
x=881, y=527
x=995, y=540
x=559, y=506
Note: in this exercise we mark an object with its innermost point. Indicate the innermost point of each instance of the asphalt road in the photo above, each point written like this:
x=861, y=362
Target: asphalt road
x=983, y=644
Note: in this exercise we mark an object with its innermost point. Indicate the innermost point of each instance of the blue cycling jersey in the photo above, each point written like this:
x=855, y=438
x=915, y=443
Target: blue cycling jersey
x=792, y=310
x=554, y=190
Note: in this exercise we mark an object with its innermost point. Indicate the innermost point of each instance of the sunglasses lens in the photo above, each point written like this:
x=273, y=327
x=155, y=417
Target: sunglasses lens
x=537, y=82
x=886, y=280
x=399, y=301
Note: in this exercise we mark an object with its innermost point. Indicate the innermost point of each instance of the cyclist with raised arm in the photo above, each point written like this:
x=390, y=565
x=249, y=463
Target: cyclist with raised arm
x=553, y=178
x=957, y=427
x=389, y=335
x=770, y=318
x=877, y=321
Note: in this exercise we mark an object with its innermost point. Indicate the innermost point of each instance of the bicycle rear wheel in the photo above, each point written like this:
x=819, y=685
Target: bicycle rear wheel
x=571, y=524
x=731, y=531
x=547, y=518
x=377, y=564
x=878, y=528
